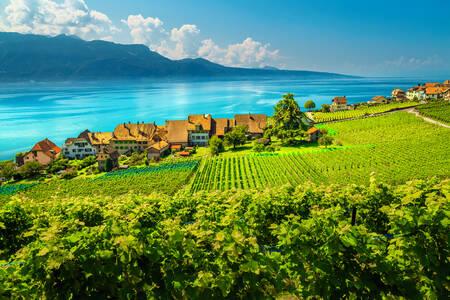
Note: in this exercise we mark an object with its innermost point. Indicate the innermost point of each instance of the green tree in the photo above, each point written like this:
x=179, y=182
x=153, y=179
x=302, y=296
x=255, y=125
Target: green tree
x=287, y=121
x=8, y=170
x=30, y=169
x=215, y=145
x=258, y=147
x=57, y=165
x=88, y=161
x=326, y=141
x=310, y=105
x=237, y=136
x=108, y=164
x=326, y=107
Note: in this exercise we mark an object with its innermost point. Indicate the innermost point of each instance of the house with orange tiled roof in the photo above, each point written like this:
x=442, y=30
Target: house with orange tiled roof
x=398, y=95
x=254, y=122
x=446, y=83
x=136, y=137
x=78, y=148
x=158, y=149
x=416, y=93
x=199, y=129
x=379, y=100
x=43, y=152
x=431, y=84
x=339, y=103
x=314, y=134
x=434, y=92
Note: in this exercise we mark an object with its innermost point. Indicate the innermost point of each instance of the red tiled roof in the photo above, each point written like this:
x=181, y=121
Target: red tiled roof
x=220, y=126
x=176, y=147
x=203, y=120
x=177, y=131
x=340, y=100
x=47, y=147
x=184, y=153
x=312, y=130
x=256, y=123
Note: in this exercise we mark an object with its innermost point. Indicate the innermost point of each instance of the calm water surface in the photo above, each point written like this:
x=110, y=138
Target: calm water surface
x=31, y=112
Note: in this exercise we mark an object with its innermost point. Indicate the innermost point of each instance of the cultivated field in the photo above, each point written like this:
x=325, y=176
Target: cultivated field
x=393, y=148
x=439, y=111
x=359, y=112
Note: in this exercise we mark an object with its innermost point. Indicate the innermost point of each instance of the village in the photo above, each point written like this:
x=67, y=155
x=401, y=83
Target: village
x=182, y=137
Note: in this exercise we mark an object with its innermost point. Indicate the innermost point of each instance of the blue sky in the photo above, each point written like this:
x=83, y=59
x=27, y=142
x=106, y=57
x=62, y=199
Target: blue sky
x=381, y=38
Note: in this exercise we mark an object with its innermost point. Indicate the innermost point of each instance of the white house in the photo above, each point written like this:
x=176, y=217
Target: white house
x=78, y=148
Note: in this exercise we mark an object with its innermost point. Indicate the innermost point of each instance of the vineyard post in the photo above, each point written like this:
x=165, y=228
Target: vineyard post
x=353, y=216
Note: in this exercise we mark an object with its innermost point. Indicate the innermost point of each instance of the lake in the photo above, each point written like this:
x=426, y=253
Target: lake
x=30, y=112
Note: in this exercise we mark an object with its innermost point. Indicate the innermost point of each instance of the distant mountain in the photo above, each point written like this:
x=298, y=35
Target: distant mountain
x=37, y=57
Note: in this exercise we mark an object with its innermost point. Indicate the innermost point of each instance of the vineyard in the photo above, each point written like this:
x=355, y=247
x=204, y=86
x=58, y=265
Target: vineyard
x=14, y=188
x=359, y=112
x=167, y=178
x=185, y=165
x=277, y=243
x=439, y=111
x=394, y=148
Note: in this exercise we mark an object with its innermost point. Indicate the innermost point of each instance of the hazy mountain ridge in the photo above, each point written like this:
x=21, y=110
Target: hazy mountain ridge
x=38, y=57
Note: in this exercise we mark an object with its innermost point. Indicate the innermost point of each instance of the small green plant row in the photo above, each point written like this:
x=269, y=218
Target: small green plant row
x=359, y=112
x=13, y=188
x=168, y=167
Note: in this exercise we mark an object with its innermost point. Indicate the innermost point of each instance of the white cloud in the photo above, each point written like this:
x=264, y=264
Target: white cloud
x=414, y=62
x=52, y=18
x=249, y=53
x=185, y=42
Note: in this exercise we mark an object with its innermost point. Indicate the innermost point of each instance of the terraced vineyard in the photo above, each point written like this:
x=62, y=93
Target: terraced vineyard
x=359, y=112
x=394, y=148
x=439, y=111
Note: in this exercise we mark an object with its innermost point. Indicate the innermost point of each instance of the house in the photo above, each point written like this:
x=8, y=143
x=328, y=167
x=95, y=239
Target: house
x=136, y=137
x=380, y=100
x=108, y=152
x=177, y=133
x=43, y=152
x=339, y=103
x=447, y=95
x=199, y=129
x=99, y=140
x=398, y=95
x=417, y=92
x=434, y=93
x=221, y=126
x=254, y=122
x=314, y=134
x=78, y=148
x=446, y=83
x=158, y=149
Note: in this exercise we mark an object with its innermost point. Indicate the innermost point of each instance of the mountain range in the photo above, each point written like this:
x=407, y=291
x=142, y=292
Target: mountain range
x=63, y=57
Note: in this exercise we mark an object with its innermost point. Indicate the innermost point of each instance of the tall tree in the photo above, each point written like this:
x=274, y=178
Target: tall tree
x=288, y=121
x=310, y=105
x=237, y=136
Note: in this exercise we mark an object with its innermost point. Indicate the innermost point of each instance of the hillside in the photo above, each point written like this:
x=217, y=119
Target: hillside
x=37, y=57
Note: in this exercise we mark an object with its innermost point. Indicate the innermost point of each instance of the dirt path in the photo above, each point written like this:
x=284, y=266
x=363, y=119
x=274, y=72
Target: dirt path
x=415, y=112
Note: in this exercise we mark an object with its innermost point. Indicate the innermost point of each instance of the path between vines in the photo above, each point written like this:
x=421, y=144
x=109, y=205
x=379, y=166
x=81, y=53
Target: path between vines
x=415, y=112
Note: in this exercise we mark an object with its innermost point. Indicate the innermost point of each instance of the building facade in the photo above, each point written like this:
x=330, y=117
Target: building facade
x=136, y=137
x=78, y=148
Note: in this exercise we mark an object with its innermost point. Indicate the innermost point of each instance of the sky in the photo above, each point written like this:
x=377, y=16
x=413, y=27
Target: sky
x=376, y=38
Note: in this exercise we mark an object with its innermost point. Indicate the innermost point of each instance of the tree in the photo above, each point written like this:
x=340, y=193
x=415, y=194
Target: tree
x=108, y=164
x=326, y=108
x=8, y=171
x=30, y=169
x=236, y=137
x=215, y=145
x=58, y=165
x=310, y=105
x=288, y=121
x=258, y=147
x=326, y=141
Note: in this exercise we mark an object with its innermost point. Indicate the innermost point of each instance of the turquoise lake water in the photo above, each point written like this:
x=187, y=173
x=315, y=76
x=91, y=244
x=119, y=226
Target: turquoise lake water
x=31, y=112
